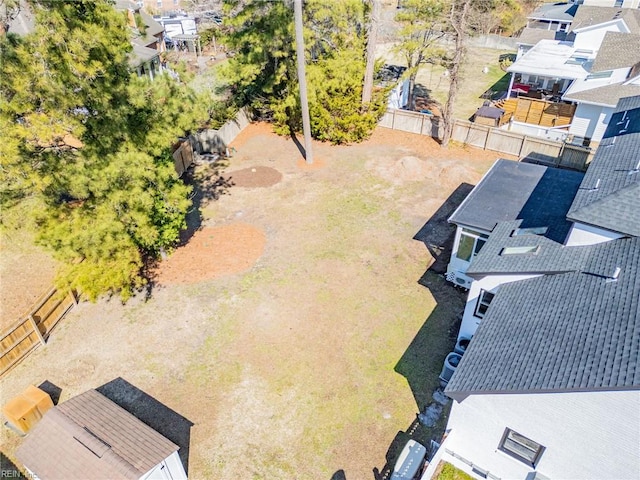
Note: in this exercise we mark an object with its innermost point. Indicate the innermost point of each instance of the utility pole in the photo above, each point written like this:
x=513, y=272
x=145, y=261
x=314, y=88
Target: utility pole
x=302, y=81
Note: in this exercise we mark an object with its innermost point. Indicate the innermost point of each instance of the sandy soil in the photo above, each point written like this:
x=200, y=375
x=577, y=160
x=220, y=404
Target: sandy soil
x=278, y=328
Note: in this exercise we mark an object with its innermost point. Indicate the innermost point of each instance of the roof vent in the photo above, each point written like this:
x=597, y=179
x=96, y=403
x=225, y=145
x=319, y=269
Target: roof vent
x=635, y=169
x=614, y=276
x=595, y=187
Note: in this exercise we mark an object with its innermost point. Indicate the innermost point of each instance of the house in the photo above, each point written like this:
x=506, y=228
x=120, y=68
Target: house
x=613, y=3
x=549, y=386
x=550, y=21
x=537, y=195
x=583, y=76
x=90, y=437
x=147, y=40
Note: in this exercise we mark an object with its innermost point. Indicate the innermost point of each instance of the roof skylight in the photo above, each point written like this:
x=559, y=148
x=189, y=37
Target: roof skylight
x=529, y=250
x=530, y=231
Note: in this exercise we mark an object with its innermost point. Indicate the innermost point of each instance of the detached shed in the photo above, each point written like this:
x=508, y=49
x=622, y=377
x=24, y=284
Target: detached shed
x=487, y=115
x=91, y=438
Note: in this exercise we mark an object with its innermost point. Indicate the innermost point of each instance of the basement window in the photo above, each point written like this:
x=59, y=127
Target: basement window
x=530, y=250
x=520, y=447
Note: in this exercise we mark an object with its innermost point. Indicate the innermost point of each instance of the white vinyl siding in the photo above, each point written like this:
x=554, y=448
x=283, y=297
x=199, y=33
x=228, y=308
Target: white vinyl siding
x=585, y=434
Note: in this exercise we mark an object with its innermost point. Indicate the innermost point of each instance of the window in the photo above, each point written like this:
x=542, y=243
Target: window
x=596, y=75
x=484, y=300
x=531, y=250
x=520, y=447
x=470, y=244
x=529, y=231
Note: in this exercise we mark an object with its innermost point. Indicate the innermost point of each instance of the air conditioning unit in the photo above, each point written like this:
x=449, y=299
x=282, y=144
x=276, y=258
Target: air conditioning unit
x=449, y=367
x=461, y=345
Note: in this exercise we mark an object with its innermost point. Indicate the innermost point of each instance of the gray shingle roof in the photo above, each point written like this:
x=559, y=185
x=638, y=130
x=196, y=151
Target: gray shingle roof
x=606, y=95
x=587, y=15
x=531, y=36
x=574, y=331
x=515, y=190
x=617, y=50
x=615, y=203
x=551, y=256
x=554, y=11
x=89, y=437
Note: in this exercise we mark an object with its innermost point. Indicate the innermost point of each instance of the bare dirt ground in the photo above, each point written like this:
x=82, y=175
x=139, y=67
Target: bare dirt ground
x=279, y=328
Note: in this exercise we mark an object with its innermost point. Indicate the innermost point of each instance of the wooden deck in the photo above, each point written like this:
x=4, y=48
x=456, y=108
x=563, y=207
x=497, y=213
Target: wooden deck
x=536, y=112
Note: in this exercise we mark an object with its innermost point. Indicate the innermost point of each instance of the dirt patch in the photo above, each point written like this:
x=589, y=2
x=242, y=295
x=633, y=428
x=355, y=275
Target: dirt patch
x=254, y=177
x=316, y=165
x=212, y=252
x=25, y=276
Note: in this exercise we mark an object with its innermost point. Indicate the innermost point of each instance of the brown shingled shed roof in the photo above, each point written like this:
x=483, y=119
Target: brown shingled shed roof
x=91, y=438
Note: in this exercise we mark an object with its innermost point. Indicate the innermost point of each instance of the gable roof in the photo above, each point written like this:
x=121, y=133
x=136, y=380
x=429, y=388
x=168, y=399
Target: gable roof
x=510, y=190
x=617, y=50
x=576, y=331
x=89, y=437
x=531, y=36
x=608, y=196
x=554, y=11
x=587, y=16
x=549, y=257
x=605, y=95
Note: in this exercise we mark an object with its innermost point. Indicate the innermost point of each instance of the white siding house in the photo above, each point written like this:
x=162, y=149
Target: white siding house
x=583, y=434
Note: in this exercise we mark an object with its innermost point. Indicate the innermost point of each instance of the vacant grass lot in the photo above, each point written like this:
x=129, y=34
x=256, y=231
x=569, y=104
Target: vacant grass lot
x=307, y=364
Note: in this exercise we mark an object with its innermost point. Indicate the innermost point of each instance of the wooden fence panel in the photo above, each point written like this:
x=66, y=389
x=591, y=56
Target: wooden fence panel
x=387, y=119
x=540, y=146
x=504, y=142
x=576, y=157
x=23, y=336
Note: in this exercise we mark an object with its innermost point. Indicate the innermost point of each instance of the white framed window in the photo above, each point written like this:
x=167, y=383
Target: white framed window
x=520, y=447
x=484, y=300
x=470, y=244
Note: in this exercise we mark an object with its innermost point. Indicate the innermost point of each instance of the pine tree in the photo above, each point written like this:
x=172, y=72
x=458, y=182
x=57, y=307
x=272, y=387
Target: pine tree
x=89, y=144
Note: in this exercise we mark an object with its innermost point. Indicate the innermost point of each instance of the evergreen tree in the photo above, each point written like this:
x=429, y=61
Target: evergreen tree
x=89, y=144
x=262, y=72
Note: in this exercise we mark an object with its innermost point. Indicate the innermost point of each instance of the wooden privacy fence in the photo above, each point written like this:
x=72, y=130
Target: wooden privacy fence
x=17, y=341
x=540, y=150
x=412, y=122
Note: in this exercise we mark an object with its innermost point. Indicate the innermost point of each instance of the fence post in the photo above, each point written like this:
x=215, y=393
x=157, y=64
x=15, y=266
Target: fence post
x=36, y=329
x=74, y=297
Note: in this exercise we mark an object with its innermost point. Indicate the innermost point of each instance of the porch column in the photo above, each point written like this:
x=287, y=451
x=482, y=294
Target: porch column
x=513, y=75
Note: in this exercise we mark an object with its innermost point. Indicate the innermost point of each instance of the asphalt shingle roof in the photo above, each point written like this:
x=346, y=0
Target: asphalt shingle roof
x=574, y=331
x=554, y=11
x=531, y=36
x=615, y=203
x=551, y=256
x=617, y=50
x=91, y=438
x=587, y=15
x=605, y=95
x=511, y=190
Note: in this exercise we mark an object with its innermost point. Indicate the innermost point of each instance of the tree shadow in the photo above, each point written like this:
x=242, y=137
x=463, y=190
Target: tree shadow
x=437, y=234
x=498, y=89
x=150, y=411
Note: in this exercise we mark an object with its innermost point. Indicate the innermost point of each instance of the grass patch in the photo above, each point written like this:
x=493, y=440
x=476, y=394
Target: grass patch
x=446, y=471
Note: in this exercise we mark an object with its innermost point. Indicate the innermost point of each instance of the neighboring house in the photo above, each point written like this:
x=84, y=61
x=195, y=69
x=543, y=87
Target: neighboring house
x=147, y=39
x=90, y=437
x=550, y=21
x=577, y=70
x=549, y=386
x=613, y=3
